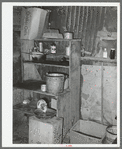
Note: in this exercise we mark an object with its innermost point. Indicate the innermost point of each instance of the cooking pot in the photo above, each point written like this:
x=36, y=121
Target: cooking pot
x=56, y=82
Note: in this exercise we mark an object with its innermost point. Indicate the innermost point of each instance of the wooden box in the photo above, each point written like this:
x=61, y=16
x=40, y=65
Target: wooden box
x=87, y=132
x=32, y=23
x=45, y=131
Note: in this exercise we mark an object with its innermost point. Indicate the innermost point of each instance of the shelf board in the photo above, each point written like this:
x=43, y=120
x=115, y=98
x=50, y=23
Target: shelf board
x=50, y=63
x=50, y=94
x=56, y=39
x=27, y=109
x=30, y=85
x=35, y=86
x=99, y=59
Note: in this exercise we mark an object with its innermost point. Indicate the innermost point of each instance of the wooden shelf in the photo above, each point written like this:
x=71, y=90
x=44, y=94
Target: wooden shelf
x=26, y=109
x=56, y=39
x=30, y=85
x=66, y=105
x=99, y=59
x=50, y=63
x=49, y=94
x=35, y=86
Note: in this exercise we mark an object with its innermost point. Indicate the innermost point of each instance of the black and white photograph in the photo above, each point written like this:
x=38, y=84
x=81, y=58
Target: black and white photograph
x=63, y=88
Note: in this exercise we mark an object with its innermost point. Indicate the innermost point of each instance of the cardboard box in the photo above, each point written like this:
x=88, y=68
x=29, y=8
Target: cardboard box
x=43, y=131
x=87, y=132
x=32, y=23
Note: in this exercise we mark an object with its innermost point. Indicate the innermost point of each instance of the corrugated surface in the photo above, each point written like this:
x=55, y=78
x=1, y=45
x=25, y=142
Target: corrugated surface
x=84, y=22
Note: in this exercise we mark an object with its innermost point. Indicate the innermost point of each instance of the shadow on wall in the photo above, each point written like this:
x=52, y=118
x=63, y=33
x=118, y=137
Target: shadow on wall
x=16, y=57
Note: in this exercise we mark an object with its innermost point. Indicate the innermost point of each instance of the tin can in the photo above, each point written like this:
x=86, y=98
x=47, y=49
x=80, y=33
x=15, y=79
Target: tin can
x=41, y=47
x=112, y=53
x=43, y=87
x=68, y=35
x=53, y=49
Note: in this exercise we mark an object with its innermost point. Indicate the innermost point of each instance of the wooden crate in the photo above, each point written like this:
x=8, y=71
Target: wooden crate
x=87, y=132
x=45, y=131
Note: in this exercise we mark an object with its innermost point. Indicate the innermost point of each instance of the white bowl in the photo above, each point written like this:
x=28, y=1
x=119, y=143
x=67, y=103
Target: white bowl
x=36, y=55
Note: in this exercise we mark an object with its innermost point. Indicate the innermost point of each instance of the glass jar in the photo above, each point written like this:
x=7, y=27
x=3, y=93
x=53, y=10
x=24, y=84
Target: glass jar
x=112, y=53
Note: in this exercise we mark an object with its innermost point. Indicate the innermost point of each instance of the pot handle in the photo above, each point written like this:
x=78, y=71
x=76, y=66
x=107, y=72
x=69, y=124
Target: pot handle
x=66, y=81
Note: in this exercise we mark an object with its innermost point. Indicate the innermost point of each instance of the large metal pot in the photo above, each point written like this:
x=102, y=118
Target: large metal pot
x=55, y=82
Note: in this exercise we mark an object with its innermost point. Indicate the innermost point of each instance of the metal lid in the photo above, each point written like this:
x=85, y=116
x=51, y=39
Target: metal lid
x=112, y=48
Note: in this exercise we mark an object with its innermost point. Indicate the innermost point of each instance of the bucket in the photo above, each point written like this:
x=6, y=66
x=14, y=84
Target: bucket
x=111, y=134
x=55, y=82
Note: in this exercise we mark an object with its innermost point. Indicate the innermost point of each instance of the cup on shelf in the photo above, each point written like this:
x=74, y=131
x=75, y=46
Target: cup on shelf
x=68, y=35
x=43, y=87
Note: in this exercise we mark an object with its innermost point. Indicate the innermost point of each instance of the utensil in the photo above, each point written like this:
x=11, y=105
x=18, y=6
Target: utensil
x=42, y=105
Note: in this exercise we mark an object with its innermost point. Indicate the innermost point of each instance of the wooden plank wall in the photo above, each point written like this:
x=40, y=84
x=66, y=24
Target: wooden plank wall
x=110, y=94
x=30, y=72
x=63, y=106
x=91, y=93
x=16, y=45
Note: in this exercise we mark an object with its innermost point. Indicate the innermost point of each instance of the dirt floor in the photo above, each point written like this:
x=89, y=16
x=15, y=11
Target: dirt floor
x=20, y=128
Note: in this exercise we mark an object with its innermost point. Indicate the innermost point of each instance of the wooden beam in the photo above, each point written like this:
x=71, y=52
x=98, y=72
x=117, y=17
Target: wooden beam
x=102, y=93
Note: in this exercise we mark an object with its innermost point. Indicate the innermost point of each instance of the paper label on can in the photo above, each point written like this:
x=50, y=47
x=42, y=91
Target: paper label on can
x=43, y=88
x=105, y=54
x=53, y=49
x=67, y=51
x=67, y=35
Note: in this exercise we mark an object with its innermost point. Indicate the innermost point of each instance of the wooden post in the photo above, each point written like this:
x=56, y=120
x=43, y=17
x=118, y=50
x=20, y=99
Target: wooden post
x=74, y=82
x=102, y=92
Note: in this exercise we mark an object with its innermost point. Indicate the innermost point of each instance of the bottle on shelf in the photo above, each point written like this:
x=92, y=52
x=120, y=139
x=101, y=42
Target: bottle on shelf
x=83, y=52
x=41, y=47
x=105, y=53
x=53, y=48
